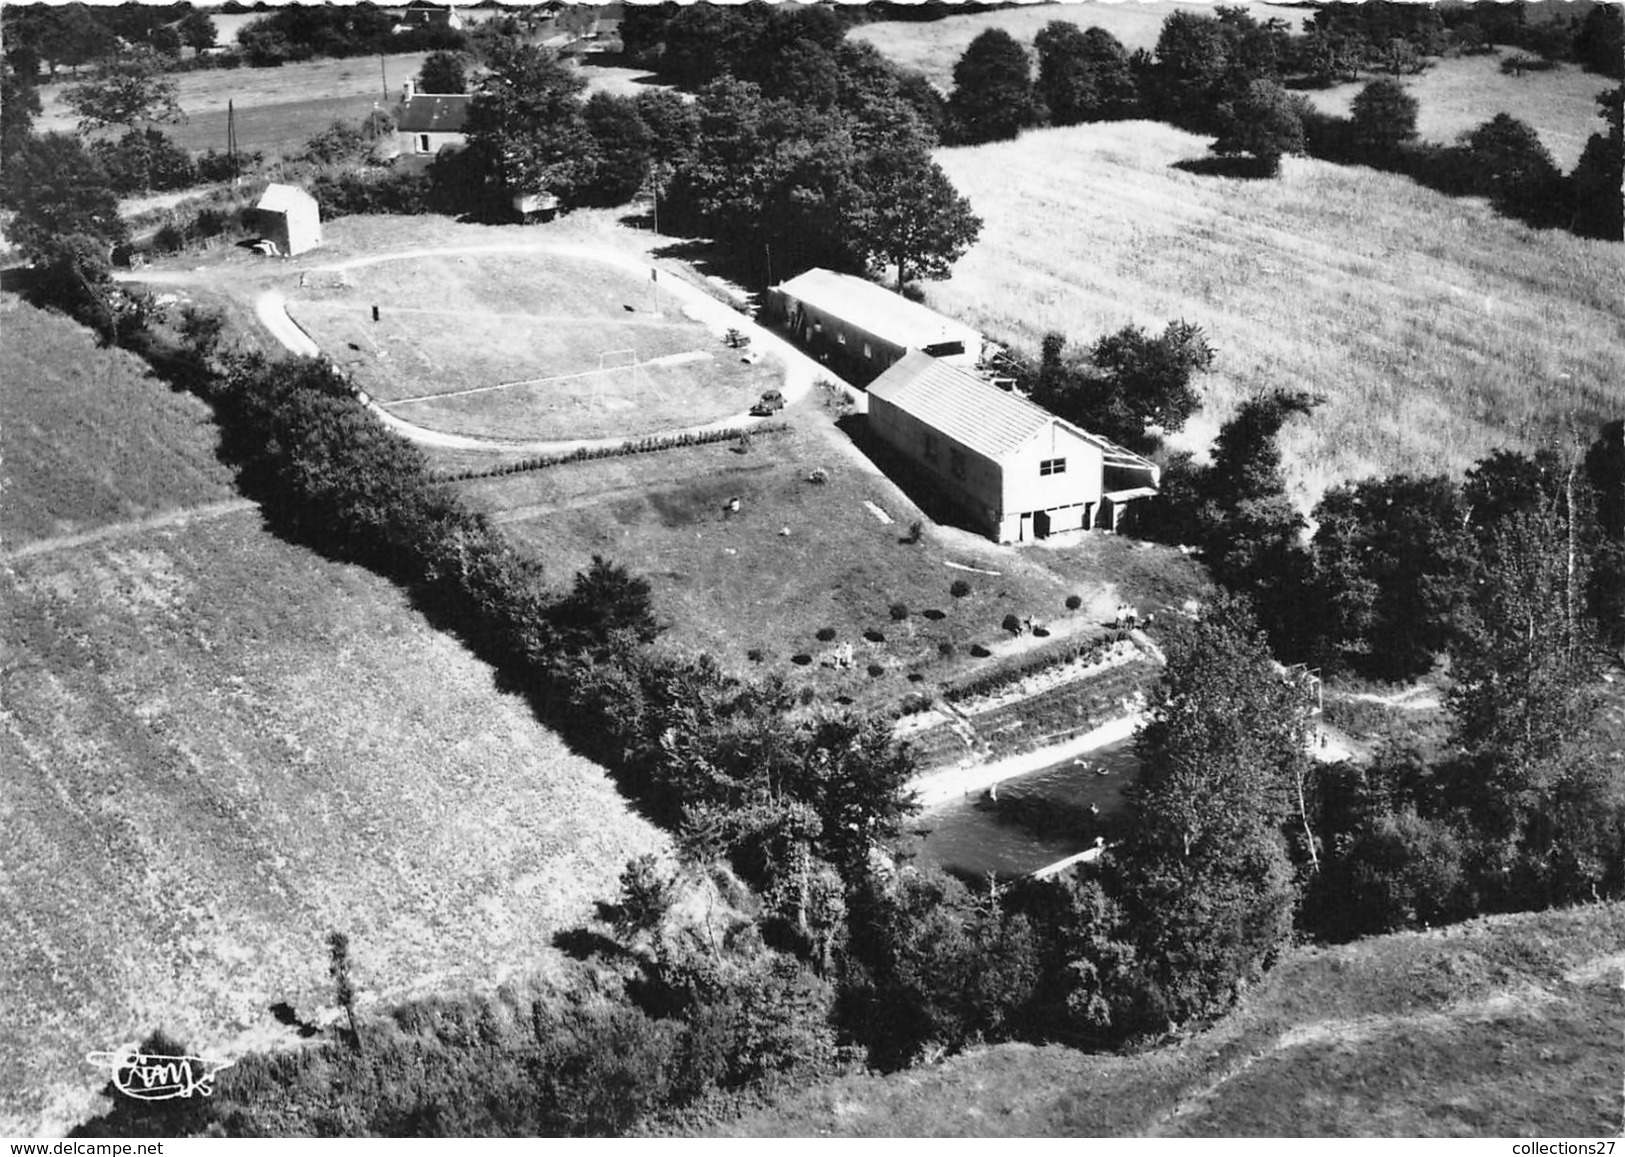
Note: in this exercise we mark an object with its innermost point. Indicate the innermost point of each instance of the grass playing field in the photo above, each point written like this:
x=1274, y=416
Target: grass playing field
x=1435, y=329
x=578, y=348
x=216, y=747
x=1503, y=1027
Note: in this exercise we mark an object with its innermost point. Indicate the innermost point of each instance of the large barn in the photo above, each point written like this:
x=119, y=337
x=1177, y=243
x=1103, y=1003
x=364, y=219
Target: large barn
x=1017, y=470
x=862, y=328
x=289, y=217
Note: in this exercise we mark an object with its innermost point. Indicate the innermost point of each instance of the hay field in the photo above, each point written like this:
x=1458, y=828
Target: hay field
x=215, y=747
x=934, y=46
x=1503, y=1027
x=1436, y=329
x=573, y=328
x=1458, y=95
x=88, y=437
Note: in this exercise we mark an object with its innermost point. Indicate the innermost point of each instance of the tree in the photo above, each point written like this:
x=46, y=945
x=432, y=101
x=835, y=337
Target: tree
x=1599, y=208
x=1599, y=43
x=1266, y=122
x=443, y=72
x=338, y=967
x=1066, y=83
x=19, y=105
x=1133, y=381
x=1605, y=474
x=623, y=148
x=197, y=31
x=606, y=603
x=1384, y=117
x=910, y=216
x=992, y=98
x=1192, y=58
x=1202, y=872
x=525, y=128
x=133, y=90
x=1394, y=559
x=57, y=189
x=1513, y=169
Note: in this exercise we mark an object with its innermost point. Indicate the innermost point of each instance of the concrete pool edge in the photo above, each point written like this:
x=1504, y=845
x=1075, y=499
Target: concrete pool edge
x=936, y=788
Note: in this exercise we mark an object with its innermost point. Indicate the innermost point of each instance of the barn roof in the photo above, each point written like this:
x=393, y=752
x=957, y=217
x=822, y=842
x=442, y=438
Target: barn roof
x=284, y=198
x=429, y=113
x=876, y=310
x=975, y=413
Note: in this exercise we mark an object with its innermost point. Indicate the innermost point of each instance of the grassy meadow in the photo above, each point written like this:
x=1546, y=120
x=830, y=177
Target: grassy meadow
x=1503, y=1027
x=935, y=46
x=216, y=747
x=1459, y=94
x=1436, y=329
x=89, y=438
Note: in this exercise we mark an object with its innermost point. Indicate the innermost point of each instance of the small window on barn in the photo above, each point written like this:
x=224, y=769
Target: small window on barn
x=956, y=463
x=841, y=337
x=423, y=142
x=1052, y=466
x=867, y=352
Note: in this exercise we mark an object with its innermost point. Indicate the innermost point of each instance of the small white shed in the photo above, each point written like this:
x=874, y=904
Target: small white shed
x=289, y=217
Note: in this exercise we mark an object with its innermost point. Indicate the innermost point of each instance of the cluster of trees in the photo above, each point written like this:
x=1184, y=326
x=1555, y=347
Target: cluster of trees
x=1229, y=75
x=303, y=31
x=71, y=36
x=828, y=164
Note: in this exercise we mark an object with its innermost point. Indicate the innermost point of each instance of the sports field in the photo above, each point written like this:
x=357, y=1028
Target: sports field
x=525, y=346
x=1435, y=329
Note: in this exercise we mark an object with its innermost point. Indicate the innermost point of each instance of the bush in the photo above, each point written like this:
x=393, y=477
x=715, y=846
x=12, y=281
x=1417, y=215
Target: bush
x=1012, y=624
x=876, y=670
x=959, y=589
x=754, y=654
x=945, y=649
x=825, y=634
x=899, y=612
x=1073, y=602
x=916, y=531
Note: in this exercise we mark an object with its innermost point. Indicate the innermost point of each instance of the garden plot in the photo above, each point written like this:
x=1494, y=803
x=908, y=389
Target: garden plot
x=525, y=347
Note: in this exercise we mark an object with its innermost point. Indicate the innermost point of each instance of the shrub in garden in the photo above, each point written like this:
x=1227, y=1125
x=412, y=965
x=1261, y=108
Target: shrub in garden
x=1011, y=624
x=754, y=654
x=979, y=651
x=945, y=649
x=874, y=636
x=959, y=589
x=899, y=612
x=826, y=634
x=1073, y=602
x=876, y=670
x=801, y=660
x=916, y=531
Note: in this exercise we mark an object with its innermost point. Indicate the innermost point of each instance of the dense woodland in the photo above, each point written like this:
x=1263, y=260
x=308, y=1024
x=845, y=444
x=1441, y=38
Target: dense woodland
x=802, y=148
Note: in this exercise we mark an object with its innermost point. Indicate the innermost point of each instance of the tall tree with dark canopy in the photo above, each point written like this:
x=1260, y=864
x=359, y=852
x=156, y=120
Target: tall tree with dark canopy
x=1383, y=116
x=1203, y=873
x=1083, y=75
x=1192, y=59
x=443, y=72
x=1266, y=122
x=1599, y=207
x=133, y=90
x=910, y=216
x=1599, y=43
x=1132, y=381
x=57, y=189
x=1605, y=474
x=525, y=128
x=197, y=31
x=992, y=98
x=1513, y=169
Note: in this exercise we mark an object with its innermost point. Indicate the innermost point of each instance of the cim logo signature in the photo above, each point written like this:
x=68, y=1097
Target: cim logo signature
x=155, y=1077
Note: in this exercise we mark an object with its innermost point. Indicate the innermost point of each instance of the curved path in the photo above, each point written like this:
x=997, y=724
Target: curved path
x=800, y=370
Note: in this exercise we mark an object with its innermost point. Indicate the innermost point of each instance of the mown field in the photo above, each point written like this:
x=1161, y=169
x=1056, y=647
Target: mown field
x=1457, y=95
x=450, y=324
x=215, y=747
x=1503, y=1027
x=88, y=437
x=1435, y=329
x=934, y=46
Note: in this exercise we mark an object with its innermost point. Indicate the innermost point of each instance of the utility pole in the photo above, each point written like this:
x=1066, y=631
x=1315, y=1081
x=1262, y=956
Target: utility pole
x=383, y=75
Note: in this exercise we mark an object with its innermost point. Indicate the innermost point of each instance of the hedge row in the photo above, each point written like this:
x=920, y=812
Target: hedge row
x=652, y=444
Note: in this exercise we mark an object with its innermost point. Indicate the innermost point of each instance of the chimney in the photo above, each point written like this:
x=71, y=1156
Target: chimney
x=408, y=90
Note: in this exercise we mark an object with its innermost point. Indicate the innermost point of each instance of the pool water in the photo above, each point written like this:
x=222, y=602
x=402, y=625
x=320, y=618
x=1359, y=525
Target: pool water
x=1039, y=818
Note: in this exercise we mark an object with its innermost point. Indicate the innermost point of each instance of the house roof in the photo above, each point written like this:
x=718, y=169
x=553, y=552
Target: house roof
x=876, y=310
x=976, y=414
x=283, y=198
x=428, y=113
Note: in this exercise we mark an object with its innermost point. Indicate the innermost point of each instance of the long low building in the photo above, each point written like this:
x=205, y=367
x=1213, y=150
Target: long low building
x=1017, y=470
x=863, y=328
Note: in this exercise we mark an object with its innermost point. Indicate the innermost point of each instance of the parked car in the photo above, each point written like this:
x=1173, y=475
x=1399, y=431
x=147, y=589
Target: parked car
x=770, y=403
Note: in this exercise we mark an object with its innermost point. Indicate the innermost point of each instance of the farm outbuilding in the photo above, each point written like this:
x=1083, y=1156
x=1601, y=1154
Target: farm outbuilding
x=430, y=122
x=864, y=328
x=288, y=217
x=1017, y=470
